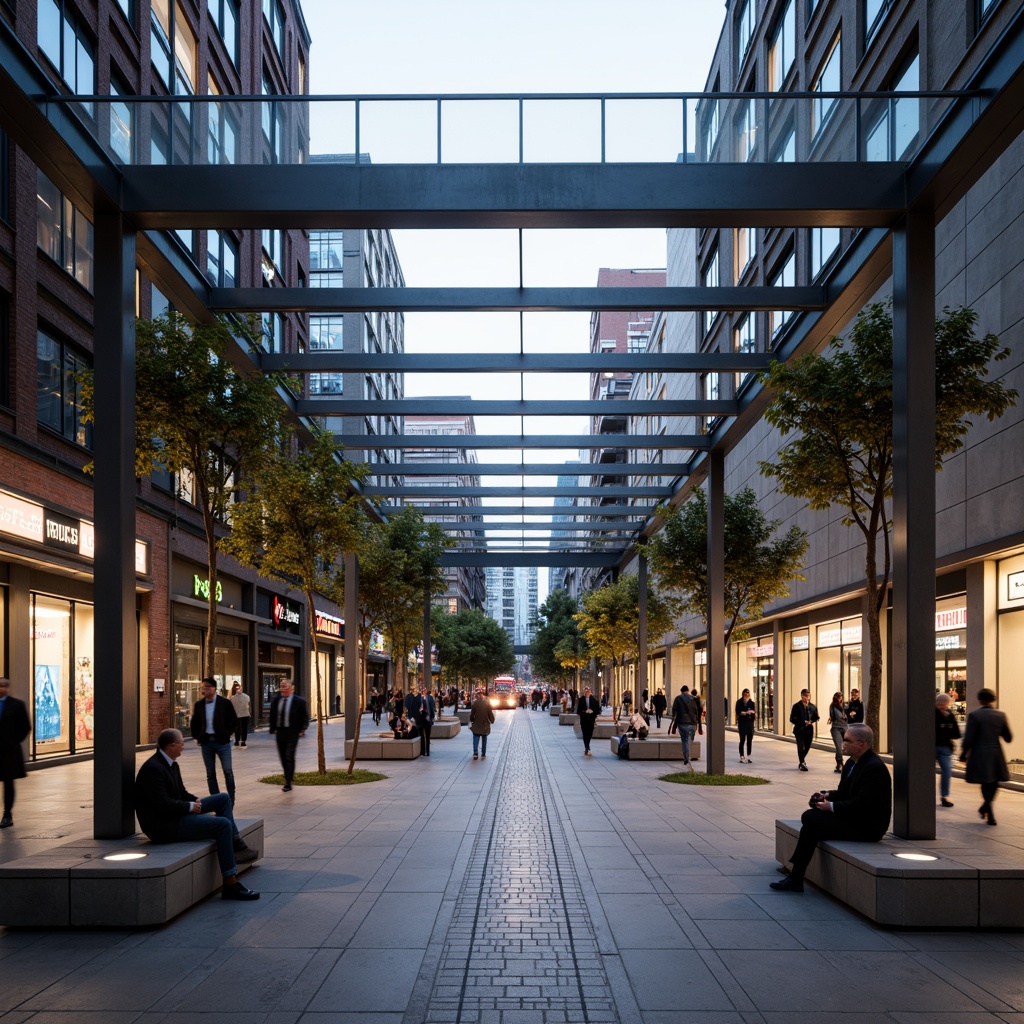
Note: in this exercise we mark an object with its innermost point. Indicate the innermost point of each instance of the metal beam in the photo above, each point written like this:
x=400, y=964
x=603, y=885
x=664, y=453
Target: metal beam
x=551, y=557
x=517, y=492
x=520, y=442
x=441, y=406
x=575, y=512
x=524, y=300
x=549, y=527
x=478, y=469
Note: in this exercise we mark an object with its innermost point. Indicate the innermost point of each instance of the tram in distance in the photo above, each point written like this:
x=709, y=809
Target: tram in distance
x=503, y=692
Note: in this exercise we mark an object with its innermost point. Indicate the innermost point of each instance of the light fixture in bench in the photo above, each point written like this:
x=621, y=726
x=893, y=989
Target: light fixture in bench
x=125, y=856
x=915, y=856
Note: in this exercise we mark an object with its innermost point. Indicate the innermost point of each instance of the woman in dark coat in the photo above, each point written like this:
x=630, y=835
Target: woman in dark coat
x=983, y=752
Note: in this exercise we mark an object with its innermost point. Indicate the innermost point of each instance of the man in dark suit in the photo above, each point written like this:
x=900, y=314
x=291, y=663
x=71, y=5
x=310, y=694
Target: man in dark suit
x=802, y=717
x=14, y=727
x=213, y=727
x=422, y=709
x=168, y=813
x=588, y=709
x=289, y=719
x=859, y=809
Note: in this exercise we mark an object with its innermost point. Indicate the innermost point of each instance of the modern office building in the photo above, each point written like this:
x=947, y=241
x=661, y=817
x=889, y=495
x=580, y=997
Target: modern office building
x=814, y=638
x=512, y=601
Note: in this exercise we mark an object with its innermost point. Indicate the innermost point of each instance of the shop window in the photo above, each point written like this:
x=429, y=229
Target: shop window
x=58, y=389
x=64, y=43
x=782, y=50
x=829, y=80
x=63, y=232
x=224, y=14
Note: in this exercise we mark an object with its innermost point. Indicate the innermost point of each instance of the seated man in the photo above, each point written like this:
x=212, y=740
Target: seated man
x=859, y=809
x=168, y=813
x=638, y=726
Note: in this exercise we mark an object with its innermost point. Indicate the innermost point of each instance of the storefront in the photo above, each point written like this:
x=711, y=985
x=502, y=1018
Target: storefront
x=279, y=649
x=756, y=672
x=330, y=640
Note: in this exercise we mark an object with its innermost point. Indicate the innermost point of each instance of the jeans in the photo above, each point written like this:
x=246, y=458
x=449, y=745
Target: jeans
x=220, y=829
x=481, y=742
x=837, y=739
x=686, y=734
x=944, y=755
x=211, y=751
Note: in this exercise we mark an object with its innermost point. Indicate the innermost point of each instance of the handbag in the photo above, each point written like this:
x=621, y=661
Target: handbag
x=672, y=729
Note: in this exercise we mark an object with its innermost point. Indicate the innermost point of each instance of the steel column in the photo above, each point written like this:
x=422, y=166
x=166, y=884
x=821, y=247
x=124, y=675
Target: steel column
x=116, y=632
x=913, y=615
x=713, y=700
x=352, y=694
x=427, y=666
x=641, y=668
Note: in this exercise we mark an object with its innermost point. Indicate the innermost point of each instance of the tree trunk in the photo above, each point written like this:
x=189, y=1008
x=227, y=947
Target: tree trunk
x=365, y=636
x=211, y=601
x=321, y=756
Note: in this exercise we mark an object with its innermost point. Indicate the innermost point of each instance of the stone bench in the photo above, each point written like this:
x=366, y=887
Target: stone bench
x=568, y=718
x=602, y=729
x=464, y=714
x=76, y=885
x=657, y=748
x=555, y=710
x=445, y=729
x=969, y=884
x=384, y=747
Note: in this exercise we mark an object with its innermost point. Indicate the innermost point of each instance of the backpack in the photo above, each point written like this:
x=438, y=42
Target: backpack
x=623, y=749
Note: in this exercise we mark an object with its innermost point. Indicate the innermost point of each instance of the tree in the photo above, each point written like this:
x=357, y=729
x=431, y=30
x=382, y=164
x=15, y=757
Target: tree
x=610, y=619
x=757, y=569
x=840, y=403
x=472, y=645
x=198, y=417
x=555, y=626
x=300, y=516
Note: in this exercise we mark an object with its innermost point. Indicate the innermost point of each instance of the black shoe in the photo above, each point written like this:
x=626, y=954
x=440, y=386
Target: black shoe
x=838, y=769
x=787, y=885
x=946, y=803
x=991, y=818
x=236, y=743
x=803, y=767
x=238, y=892
x=286, y=788
x=245, y=854
x=983, y=810
x=242, y=743
x=6, y=821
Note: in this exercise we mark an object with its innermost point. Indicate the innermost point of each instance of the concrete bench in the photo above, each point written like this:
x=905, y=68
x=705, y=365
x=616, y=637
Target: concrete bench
x=464, y=714
x=384, y=747
x=969, y=884
x=445, y=729
x=555, y=710
x=602, y=729
x=657, y=748
x=75, y=885
x=567, y=718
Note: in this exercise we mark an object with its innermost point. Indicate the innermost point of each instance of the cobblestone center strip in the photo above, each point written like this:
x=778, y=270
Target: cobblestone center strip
x=520, y=946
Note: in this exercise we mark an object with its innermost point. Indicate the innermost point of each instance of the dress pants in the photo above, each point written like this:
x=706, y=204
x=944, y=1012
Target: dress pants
x=817, y=825
x=8, y=797
x=287, y=741
x=221, y=829
x=804, y=738
x=425, y=728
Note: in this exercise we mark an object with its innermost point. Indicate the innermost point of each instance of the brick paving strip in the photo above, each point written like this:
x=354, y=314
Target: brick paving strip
x=520, y=946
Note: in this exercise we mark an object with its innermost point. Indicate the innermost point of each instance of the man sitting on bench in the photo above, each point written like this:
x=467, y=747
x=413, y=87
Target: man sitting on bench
x=859, y=809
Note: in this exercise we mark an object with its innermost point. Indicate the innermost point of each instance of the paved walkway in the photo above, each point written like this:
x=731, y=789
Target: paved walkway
x=534, y=886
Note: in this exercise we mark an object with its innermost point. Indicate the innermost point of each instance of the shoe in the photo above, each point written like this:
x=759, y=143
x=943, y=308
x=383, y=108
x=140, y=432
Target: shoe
x=6, y=821
x=749, y=761
x=789, y=884
x=837, y=770
x=983, y=810
x=803, y=767
x=946, y=803
x=245, y=854
x=991, y=818
x=482, y=756
x=286, y=788
x=236, y=743
x=243, y=743
x=238, y=892
x=586, y=753
x=475, y=756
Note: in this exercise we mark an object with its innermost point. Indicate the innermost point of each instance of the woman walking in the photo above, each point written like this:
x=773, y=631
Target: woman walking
x=983, y=752
x=946, y=730
x=746, y=712
x=240, y=702
x=837, y=726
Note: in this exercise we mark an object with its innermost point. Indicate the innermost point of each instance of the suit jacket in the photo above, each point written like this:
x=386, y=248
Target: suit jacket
x=863, y=800
x=14, y=727
x=981, y=747
x=802, y=718
x=161, y=801
x=298, y=713
x=587, y=721
x=224, y=720
x=414, y=709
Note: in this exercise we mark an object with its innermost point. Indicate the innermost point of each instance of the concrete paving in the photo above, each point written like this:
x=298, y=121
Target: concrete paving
x=533, y=886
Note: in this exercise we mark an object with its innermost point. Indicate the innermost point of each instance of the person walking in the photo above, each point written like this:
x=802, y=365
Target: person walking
x=240, y=702
x=659, y=702
x=14, y=728
x=946, y=730
x=481, y=717
x=746, y=712
x=688, y=716
x=213, y=725
x=802, y=717
x=588, y=709
x=983, y=752
x=289, y=720
x=837, y=727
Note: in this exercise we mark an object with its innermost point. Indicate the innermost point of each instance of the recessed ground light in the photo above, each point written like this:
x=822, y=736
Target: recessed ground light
x=915, y=856
x=125, y=856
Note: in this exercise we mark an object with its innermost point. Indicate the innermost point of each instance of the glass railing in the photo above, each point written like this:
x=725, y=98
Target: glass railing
x=493, y=129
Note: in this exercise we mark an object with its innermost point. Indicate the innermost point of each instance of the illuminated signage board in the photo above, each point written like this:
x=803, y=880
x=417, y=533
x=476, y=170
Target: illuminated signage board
x=329, y=625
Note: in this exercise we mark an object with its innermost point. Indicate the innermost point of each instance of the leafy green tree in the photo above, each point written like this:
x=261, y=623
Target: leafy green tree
x=472, y=646
x=300, y=516
x=573, y=652
x=197, y=416
x=555, y=625
x=757, y=568
x=840, y=404
x=610, y=619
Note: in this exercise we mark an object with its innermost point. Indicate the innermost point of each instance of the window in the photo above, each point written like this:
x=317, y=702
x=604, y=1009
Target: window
x=785, y=277
x=824, y=243
x=782, y=50
x=746, y=132
x=122, y=123
x=65, y=45
x=829, y=80
x=221, y=259
x=221, y=130
x=745, y=30
x=636, y=343
x=275, y=19
x=5, y=327
x=711, y=278
x=5, y=177
x=984, y=7
x=710, y=129
x=326, y=253
x=896, y=121
x=63, y=232
x=58, y=392
x=173, y=46
x=744, y=248
x=224, y=14
x=273, y=252
x=272, y=117
x=273, y=332
x=785, y=150
x=744, y=339
x=874, y=15
x=326, y=333
x=128, y=6
x=710, y=389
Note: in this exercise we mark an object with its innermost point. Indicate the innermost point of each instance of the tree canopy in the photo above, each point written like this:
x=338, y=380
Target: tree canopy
x=557, y=629
x=471, y=646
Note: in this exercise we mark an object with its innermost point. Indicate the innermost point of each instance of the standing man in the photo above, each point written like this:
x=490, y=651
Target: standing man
x=660, y=702
x=289, y=720
x=855, y=709
x=14, y=727
x=213, y=727
x=424, y=712
x=588, y=709
x=481, y=718
x=169, y=813
x=688, y=716
x=802, y=717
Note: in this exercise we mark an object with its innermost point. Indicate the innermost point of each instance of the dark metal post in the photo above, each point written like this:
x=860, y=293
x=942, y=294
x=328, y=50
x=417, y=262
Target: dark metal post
x=351, y=644
x=427, y=666
x=641, y=678
x=116, y=640
x=713, y=699
x=913, y=615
